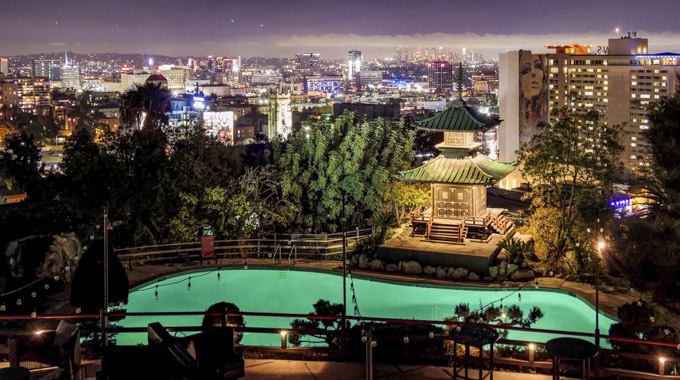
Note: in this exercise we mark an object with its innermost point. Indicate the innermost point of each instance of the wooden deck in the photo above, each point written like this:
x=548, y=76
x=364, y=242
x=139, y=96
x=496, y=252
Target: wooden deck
x=475, y=256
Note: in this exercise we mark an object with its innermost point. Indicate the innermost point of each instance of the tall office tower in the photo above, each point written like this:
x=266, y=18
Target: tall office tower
x=70, y=75
x=4, y=66
x=618, y=80
x=47, y=68
x=353, y=63
x=398, y=53
x=308, y=64
x=174, y=75
x=32, y=94
x=440, y=75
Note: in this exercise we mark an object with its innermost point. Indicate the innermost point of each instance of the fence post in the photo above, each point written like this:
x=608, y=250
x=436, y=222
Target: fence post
x=258, y=245
x=369, y=354
x=357, y=242
x=13, y=354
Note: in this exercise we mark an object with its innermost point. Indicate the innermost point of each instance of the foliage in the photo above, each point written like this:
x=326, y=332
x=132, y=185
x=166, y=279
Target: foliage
x=231, y=320
x=663, y=138
x=87, y=289
x=641, y=320
x=20, y=164
x=402, y=197
x=62, y=256
x=511, y=316
x=519, y=252
x=145, y=106
x=321, y=307
x=647, y=253
x=571, y=166
x=383, y=221
x=348, y=156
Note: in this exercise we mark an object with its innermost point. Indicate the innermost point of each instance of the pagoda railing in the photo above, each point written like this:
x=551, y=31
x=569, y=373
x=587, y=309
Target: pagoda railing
x=417, y=214
x=461, y=227
x=429, y=226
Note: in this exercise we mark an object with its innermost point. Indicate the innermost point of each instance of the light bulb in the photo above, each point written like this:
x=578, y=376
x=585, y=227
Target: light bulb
x=78, y=310
x=34, y=314
x=504, y=315
x=364, y=339
x=431, y=334
x=374, y=343
x=406, y=340
x=519, y=296
x=458, y=328
x=3, y=307
x=47, y=286
x=18, y=301
x=56, y=278
x=218, y=276
x=34, y=294
x=651, y=319
x=245, y=266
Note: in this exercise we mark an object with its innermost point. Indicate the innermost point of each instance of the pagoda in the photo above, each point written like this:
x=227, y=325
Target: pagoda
x=458, y=178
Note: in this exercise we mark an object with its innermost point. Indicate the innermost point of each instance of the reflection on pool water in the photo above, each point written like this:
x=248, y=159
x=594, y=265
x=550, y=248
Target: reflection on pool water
x=295, y=291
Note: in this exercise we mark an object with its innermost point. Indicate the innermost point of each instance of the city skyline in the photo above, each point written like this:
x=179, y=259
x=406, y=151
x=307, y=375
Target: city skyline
x=277, y=29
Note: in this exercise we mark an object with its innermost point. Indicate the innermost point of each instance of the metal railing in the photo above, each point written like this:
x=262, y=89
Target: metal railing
x=307, y=246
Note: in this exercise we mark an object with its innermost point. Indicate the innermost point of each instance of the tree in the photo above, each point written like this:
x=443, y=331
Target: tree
x=20, y=165
x=87, y=287
x=348, y=157
x=663, y=138
x=145, y=106
x=571, y=165
x=325, y=308
x=511, y=316
x=402, y=197
x=231, y=320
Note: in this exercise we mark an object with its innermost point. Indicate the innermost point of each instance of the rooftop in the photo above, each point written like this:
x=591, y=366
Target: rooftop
x=459, y=118
x=451, y=168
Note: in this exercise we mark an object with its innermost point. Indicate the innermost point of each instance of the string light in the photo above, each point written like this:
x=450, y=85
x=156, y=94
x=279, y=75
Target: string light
x=34, y=294
x=78, y=310
x=406, y=340
x=218, y=275
x=34, y=313
x=155, y=295
x=519, y=296
x=431, y=334
x=3, y=307
x=47, y=286
x=189, y=285
x=374, y=343
x=536, y=284
x=18, y=301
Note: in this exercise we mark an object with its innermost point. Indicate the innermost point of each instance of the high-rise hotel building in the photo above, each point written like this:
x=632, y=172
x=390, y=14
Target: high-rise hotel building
x=619, y=80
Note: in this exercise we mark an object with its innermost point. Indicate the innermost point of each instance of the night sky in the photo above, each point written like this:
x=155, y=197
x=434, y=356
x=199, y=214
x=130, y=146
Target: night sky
x=282, y=28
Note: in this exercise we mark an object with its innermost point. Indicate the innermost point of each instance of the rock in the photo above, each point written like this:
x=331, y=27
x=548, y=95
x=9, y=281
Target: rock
x=449, y=273
x=487, y=279
x=363, y=261
x=459, y=273
x=401, y=265
x=522, y=275
x=392, y=267
x=503, y=268
x=502, y=277
x=441, y=272
x=526, y=239
x=473, y=276
x=412, y=267
x=354, y=261
x=571, y=277
x=512, y=268
x=377, y=264
x=493, y=272
x=429, y=269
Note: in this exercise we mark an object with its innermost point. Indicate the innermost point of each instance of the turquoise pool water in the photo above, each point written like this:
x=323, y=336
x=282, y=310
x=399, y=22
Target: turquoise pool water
x=295, y=291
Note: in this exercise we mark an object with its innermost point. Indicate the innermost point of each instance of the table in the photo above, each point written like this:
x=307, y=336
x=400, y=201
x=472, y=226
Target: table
x=477, y=336
x=14, y=373
x=571, y=349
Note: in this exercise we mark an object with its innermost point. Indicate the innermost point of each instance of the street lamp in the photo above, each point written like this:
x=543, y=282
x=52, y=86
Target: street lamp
x=600, y=246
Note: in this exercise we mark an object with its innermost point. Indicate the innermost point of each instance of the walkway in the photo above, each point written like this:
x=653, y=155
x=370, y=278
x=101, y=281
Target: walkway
x=303, y=370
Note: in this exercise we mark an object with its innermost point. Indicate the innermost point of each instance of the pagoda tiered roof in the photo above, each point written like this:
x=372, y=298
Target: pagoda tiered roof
x=456, y=169
x=459, y=118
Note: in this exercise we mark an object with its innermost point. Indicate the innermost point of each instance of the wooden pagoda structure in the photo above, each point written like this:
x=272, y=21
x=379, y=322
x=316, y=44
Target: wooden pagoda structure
x=458, y=178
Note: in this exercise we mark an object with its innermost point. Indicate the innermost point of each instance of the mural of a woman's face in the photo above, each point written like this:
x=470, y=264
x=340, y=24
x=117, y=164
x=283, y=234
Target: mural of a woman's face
x=531, y=75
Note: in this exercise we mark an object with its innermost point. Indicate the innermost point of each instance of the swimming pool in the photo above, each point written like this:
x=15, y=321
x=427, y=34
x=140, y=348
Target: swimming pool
x=296, y=290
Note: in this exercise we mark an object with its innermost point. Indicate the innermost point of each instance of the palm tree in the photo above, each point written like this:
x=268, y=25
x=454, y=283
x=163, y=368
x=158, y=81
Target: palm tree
x=146, y=105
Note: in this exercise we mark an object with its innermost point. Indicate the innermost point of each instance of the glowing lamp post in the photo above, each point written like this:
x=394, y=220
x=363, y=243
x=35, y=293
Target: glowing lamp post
x=283, y=338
